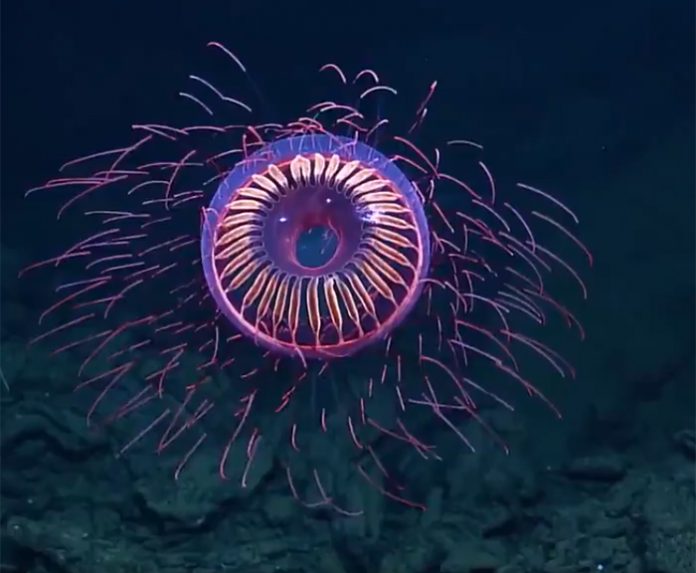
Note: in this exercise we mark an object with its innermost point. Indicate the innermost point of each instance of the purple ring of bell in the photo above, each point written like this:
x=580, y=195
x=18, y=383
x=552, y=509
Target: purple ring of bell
x=337, y=214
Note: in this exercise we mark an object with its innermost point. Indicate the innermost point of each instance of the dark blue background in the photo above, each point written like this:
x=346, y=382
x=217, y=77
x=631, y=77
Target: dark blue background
x=592, y=100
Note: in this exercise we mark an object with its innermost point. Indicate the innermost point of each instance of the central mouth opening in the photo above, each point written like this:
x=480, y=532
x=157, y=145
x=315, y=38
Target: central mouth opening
x=316, y=246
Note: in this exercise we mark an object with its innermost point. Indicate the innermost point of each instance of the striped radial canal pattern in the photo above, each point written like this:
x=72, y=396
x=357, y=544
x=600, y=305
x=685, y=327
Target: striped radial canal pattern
x=359, y=294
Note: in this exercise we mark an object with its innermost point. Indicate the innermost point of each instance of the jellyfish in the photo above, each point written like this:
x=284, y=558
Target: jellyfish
x=250, y=285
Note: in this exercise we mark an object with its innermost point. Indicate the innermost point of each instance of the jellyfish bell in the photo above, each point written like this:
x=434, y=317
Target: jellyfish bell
x=259, y=214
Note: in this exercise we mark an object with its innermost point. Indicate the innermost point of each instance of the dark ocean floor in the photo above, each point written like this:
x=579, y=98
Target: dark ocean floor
x=69, y=506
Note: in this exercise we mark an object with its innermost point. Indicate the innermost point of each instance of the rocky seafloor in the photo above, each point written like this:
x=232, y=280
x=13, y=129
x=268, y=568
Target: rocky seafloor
x=69, y=506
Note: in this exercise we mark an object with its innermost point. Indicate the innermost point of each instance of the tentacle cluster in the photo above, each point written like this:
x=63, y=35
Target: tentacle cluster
x=139, y=289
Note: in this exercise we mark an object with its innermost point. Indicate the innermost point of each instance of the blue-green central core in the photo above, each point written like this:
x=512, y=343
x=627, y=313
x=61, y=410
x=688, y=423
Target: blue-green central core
x=316, y=246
